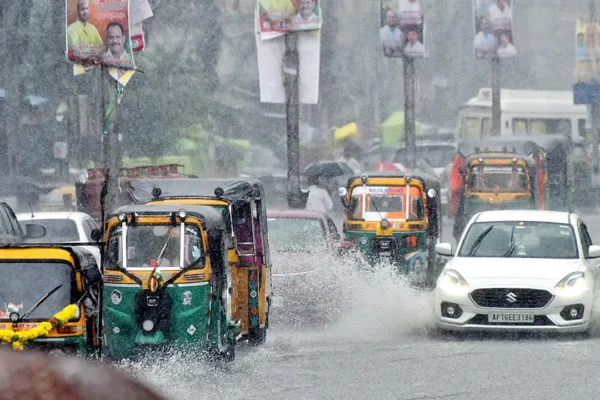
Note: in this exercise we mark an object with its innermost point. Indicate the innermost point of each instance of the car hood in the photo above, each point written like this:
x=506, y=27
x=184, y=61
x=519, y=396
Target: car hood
x=517, y=270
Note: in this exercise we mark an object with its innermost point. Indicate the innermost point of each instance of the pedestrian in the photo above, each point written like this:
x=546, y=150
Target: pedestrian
x=318, y=197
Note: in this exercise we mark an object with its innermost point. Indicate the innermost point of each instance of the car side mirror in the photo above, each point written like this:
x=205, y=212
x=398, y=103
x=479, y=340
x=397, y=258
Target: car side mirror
x=594, y=252
x=96, y=234
x=444, y=249
x=35, y=231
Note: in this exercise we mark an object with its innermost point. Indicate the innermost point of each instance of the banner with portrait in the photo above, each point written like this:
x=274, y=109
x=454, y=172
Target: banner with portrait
x=493, y=24
x=270, y=48
x=402, y=31
x=587, y=52
x=289, y=15
x=98, y=33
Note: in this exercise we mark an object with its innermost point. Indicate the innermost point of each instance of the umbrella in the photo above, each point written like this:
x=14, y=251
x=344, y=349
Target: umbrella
x=328, y=169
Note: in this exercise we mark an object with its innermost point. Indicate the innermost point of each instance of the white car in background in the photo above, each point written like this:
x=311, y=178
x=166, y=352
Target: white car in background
x=519, y=270
x=64, y=227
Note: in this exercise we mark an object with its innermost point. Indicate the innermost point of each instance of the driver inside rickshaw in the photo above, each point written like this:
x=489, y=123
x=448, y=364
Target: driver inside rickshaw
x=161, y=245
x=487, y=179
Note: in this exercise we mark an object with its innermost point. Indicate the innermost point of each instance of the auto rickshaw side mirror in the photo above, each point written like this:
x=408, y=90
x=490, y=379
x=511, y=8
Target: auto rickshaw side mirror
x=35, y=231
x=96, y=234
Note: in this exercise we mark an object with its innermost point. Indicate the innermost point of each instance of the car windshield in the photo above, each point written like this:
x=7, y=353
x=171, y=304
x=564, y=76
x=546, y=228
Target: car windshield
x=373, y=203
x=520, y=240
x=490, y=178
x=25, y=283
x=146, y=243
x=296, y=234
x=57, y=230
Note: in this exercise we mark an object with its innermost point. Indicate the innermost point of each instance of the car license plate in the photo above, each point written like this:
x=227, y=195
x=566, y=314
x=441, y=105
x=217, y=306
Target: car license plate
x=277, y=301
x=510, y=317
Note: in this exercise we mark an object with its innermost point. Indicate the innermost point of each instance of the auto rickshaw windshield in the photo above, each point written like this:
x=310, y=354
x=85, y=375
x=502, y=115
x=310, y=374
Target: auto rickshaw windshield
x=374, y=203
x=24, y=283
x=147, y=244
x=502, y=178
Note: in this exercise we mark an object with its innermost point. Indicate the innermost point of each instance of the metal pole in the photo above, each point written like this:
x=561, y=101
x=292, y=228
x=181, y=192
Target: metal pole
x=409, y=106
x=109, y=139
x=594, y=111
x=292, y=111
x=496, y=90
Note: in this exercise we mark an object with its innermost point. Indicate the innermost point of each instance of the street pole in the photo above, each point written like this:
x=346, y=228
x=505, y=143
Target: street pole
x=594, y=111
x=496, y=97
x=292, y=114
x=109, y=139
x=409, y=107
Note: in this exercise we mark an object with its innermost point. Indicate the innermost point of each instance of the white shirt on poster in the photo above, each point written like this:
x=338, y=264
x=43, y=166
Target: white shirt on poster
x=124, y=61
x=318, y=200
x=410, y=12
x=414, y=50
x=500, y=19
x=313, y=19
x=388, y=34
x=507, y=51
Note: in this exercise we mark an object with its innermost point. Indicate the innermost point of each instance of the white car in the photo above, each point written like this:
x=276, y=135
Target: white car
x=519, y=270
x=64, y=227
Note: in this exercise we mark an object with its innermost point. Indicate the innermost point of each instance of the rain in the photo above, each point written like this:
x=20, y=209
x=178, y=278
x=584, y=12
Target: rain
x=311, y=167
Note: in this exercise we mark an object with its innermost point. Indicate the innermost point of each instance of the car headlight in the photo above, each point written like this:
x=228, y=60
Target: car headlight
x=572, y=285
x=452, y=281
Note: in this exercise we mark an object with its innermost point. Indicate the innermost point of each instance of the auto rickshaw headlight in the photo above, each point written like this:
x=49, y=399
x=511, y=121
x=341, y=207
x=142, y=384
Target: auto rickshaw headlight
x=432, y=193
x=364, y=178
x=148, y=325
x=122, y=217
x=182, y=214
x=514, y=159
x=407, y=178
x=14, y=317
x=385, y=223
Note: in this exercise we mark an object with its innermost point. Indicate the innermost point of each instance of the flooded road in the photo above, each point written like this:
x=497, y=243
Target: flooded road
x=385, y=347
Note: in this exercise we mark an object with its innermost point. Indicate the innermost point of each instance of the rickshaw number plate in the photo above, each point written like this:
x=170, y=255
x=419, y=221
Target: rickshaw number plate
x=511, y=317
x=277, y=301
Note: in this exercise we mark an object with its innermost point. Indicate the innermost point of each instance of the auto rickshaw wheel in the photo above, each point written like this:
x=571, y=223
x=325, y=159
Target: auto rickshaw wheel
x=258, y=337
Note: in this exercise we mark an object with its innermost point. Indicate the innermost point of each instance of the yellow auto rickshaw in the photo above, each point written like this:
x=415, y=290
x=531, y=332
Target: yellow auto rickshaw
x=395, y=217
x=49, y=299
x=241, y=203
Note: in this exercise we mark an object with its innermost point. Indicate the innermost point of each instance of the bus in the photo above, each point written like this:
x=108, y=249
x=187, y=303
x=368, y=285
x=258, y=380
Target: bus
x=523, y=113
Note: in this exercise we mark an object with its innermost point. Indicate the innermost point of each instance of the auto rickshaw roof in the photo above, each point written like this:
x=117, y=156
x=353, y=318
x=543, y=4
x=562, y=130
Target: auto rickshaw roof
x=140, y=190
x=84, y=259
x=523, y=144
x=500, y=156
x=210, y=217
x=428, y=180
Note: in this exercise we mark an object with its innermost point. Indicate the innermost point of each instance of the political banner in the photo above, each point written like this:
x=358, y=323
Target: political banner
x=493, y=23
x=402, y=32
x=270, y=51
x=587, y=54
x=289, y=15
x=98, y=33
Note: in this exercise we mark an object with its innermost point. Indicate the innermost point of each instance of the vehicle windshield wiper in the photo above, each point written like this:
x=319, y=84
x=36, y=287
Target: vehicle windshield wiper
x=39, y=303
x=512, y=246
x=479, y=240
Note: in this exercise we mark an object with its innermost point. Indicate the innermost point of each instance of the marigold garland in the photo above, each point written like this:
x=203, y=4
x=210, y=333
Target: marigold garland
x=18, y=339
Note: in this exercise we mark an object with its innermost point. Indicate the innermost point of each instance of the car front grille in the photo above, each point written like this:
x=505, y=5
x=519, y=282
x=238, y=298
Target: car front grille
x=538, y=320
x=511, y=298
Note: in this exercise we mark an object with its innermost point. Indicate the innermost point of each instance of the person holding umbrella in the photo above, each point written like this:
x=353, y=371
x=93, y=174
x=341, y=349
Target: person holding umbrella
x=318, y=197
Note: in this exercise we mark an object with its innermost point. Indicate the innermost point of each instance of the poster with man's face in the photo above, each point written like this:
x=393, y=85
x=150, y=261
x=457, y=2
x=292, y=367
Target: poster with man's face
x=289, y=15
x=402, y=28
x=98, y=33
x=587, y=60
x=493, y=22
